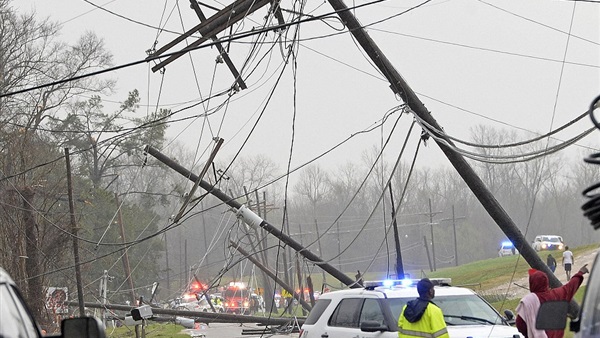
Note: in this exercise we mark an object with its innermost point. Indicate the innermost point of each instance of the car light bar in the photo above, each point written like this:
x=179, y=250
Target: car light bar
x=391, y=283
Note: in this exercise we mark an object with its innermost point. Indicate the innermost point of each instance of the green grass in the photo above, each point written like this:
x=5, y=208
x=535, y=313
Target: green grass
x=486, y=274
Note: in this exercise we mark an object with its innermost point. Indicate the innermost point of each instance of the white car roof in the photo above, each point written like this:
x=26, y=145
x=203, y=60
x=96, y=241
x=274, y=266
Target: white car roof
x=398, y=292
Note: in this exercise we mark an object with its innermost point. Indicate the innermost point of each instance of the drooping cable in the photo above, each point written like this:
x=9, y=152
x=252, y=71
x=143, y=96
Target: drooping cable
x=591, y=208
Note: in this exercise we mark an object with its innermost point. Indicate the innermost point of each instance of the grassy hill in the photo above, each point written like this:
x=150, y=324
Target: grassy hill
x=486, y=274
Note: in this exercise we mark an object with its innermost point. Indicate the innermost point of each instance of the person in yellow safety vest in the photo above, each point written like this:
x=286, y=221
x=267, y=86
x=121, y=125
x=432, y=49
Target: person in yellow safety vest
x=421, y=317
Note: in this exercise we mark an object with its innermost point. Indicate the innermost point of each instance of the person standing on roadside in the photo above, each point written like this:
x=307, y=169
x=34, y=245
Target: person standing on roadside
x=421, y=317
x=529, y=306
x=568, y=261
x=551, y=262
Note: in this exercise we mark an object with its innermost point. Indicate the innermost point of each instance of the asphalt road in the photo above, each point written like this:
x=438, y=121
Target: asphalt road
x=227, y=330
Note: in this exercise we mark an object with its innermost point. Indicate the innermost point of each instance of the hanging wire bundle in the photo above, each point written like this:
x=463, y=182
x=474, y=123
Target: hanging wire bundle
x=591, y=208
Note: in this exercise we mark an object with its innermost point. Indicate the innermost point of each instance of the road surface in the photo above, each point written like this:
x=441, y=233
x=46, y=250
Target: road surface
x=228, y=330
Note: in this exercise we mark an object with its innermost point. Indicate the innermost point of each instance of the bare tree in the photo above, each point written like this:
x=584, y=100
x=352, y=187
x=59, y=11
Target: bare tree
x=32, y=174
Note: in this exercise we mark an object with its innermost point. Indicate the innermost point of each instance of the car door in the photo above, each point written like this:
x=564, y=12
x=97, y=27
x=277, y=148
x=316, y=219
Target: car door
x=351, y=313
x=15, y=319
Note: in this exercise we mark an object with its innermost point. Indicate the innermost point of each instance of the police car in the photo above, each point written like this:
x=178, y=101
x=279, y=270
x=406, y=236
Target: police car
x=373, y=311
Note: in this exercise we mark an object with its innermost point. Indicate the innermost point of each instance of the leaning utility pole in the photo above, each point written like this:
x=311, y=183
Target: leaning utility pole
x=252, y=219
x=401, y=88
x=273, y=275
x=75, y=239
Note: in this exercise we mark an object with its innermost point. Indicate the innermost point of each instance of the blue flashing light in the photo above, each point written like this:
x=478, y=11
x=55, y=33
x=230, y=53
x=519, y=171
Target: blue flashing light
x=508, y=244
x=406, y=282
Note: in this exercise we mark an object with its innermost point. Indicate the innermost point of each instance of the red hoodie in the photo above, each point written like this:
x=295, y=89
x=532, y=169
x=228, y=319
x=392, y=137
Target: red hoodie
x=538, y=284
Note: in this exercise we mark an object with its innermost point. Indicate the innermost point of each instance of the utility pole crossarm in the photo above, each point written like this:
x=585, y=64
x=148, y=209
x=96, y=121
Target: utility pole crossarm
x=220, y=48
x=210, y=28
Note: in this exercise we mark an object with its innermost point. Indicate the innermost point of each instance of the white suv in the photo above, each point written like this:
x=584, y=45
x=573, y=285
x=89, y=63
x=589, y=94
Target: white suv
x=373, y=311
x=548, y=242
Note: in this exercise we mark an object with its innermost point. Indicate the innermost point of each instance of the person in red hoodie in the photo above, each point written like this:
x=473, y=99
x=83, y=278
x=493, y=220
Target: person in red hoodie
x=529, y=305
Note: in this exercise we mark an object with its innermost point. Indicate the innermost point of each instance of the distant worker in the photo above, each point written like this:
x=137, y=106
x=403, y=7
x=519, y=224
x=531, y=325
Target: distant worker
x=421, y=317
x=529, y=306
x=568, y=261
x=551, y=262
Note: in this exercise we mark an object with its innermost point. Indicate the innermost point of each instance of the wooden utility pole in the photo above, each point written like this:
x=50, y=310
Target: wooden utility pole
x=167, y=261
x=432, y=240
x=125, y=256
x=252, y=219
x=283, y=284
x=222, y=52
x=261, y=245
x=455, y=243
x=399, y=265
x=190, y=195
x=226, y=17
x=427, y=251
x=74, y=232
x=474, y=182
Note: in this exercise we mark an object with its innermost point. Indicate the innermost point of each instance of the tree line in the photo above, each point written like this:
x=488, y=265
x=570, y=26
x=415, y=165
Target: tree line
x=342, y=214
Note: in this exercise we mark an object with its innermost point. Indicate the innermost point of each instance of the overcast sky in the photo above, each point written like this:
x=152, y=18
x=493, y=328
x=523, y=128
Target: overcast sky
x=506, y=64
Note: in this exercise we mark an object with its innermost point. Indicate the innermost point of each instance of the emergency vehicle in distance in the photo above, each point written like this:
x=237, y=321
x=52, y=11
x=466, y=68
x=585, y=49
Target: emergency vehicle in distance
x=236, y=298
x=194, y=289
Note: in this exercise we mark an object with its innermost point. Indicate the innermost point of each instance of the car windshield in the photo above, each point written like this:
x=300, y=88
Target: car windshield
x=458, y=310
x=552, y=239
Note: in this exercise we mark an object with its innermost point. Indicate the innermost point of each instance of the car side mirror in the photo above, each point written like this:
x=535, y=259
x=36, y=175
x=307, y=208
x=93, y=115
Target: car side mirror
x=372, y=326
x=510, y=316
x=552, y=315
x=82, y=327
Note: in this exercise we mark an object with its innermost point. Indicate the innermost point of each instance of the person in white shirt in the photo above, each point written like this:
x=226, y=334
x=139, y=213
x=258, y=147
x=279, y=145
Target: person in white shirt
x=568, y=261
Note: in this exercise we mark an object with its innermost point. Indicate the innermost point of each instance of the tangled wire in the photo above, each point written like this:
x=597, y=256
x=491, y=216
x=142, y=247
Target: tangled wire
x=591, y=208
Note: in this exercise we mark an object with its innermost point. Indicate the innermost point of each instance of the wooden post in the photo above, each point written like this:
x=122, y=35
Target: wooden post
x=75, y=241
x=125, y=257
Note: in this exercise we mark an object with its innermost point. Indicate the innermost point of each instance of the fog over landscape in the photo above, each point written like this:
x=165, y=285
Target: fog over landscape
x=313, y=138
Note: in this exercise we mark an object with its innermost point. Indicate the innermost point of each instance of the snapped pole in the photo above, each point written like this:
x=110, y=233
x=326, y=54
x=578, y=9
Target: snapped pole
x=252, y=219
x=473, y=181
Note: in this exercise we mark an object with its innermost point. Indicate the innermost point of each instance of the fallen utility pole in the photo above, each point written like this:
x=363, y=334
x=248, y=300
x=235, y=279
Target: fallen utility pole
x=271, y=274
x=205, y=317
x=485, y=197
x=252, y=219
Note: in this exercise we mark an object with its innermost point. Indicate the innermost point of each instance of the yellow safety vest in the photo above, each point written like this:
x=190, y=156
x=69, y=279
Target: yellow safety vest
x=431, y=325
